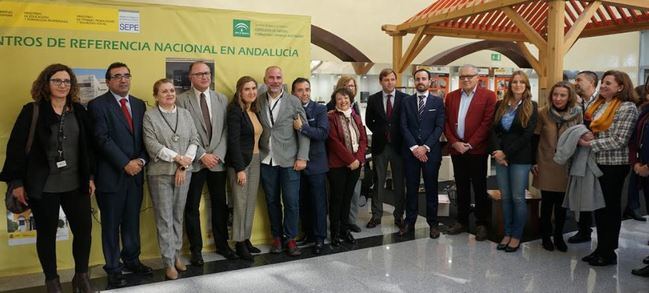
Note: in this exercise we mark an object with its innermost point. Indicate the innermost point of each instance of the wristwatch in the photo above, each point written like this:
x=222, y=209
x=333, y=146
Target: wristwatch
x=183, y=168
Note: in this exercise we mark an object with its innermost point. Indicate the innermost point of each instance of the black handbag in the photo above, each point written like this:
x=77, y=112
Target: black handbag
x=12, y=204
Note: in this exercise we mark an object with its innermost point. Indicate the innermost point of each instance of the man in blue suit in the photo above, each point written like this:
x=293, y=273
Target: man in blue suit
x=313, y=196
x=119, y=178
x=422, y=123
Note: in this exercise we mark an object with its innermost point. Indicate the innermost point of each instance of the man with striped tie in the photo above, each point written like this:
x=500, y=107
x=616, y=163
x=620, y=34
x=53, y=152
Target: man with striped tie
x=422, y=124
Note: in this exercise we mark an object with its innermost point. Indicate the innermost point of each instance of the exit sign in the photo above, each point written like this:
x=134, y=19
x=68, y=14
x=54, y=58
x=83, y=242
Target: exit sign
x=495, y=57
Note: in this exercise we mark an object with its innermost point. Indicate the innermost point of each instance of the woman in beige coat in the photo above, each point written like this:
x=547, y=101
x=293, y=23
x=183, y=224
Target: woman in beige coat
x=559, y=114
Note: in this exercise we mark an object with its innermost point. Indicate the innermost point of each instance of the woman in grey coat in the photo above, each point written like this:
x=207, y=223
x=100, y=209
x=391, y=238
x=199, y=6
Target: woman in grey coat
x=171, y=140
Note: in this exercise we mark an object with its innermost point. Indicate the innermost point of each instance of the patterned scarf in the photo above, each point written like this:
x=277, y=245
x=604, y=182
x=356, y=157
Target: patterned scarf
x=606, y=119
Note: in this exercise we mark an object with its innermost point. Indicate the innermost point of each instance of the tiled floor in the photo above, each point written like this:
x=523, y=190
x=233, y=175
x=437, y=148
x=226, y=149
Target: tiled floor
x=448, y=264
x=384, y=262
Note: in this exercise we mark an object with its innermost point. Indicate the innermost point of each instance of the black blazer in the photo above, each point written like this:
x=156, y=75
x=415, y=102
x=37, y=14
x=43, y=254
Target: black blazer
x=31, y=170
x=241, y=138
x=377, y=122
x=517, y=142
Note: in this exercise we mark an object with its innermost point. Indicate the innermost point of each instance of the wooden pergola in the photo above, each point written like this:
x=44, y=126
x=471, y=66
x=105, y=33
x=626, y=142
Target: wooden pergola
x=553, y=26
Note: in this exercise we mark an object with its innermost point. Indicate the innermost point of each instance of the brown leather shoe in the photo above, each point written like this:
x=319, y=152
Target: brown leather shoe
x=81, y=283
x=434, y=233
x=373, y=223
x=407, y=229
x=53, y=286
x=457, y=228
x=481, y=233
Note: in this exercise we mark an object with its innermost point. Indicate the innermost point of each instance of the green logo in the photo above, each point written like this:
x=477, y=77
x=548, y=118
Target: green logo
x=241, y=28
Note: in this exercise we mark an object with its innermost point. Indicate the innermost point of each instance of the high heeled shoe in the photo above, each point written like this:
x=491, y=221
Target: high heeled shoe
x=180, y=266
x=512, y=249
x=81, y=283
x=171, y=273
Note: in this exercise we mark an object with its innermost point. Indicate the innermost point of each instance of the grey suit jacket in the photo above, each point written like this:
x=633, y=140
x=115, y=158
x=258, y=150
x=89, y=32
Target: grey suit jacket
x=218, y=145
x=288, y=144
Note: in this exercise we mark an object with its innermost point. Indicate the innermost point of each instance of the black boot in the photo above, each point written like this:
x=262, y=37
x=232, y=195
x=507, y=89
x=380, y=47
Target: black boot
x=348, y=237
x=559, y=243
x=547, y=243
x=242, y=250
x=335, y=235
x=53, y=285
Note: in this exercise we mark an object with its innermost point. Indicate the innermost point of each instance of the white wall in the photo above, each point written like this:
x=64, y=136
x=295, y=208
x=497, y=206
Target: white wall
x=359, y=23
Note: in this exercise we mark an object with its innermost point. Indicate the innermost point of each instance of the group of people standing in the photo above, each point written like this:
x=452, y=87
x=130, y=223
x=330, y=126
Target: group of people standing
x=292, y=145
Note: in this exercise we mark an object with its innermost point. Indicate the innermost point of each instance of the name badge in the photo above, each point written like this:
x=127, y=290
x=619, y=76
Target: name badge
x=61, y=164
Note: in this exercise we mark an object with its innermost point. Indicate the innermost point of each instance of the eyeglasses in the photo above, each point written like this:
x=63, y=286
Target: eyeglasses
x=61, y=82
x=202, y=74
x=467, y=76
x=121, y=76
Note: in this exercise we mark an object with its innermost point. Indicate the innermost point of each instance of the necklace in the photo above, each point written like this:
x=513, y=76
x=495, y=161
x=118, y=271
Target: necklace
x=174, y=137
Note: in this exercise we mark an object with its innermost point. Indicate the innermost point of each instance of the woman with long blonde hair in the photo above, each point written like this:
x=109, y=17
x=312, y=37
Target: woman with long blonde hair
x=511, y=146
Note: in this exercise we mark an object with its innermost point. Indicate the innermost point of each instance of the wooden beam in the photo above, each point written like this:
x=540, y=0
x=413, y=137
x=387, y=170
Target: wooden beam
x=397, y=47
x=610, y=30
x=411, y=48
x=532, y=35
x=474, y=7
x=530, y=58
x=362, y=68
x=637, y=4
x=422, y=44
x=475, y=34
x=578, y=27
x=554, y=63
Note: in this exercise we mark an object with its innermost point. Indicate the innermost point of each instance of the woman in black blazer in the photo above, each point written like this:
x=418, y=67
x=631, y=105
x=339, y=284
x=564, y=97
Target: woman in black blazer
x=57, y=171
x=244, y=130
x=511, y=146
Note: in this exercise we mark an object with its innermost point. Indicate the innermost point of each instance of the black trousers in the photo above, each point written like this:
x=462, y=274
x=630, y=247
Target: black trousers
x=471, y=170
x=216, y=187
x=46, y=215
x=552, y=201
x=609, y=219
x=342, y=182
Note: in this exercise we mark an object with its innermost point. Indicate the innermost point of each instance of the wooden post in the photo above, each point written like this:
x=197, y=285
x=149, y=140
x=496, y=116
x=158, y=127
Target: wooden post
x=555, y=49
x=397, y=52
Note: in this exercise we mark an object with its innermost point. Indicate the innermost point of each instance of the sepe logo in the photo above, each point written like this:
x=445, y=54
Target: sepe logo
x=241, y=28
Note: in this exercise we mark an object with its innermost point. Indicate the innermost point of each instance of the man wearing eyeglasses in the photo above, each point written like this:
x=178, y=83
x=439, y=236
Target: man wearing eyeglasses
x=469, y=115
x=119, y=177
x=208, y=109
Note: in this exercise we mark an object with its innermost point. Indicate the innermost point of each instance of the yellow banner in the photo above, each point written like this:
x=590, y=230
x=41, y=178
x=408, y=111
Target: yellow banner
x=154, y=41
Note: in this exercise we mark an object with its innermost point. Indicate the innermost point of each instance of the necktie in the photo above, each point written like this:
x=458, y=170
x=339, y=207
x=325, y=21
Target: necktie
x=388, y=114
x=206, y=116
x=127, y=114
x=388, y=107
x=421, y=106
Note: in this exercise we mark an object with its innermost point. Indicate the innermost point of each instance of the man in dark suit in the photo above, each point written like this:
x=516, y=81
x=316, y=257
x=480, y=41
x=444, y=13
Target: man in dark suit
x=422, y=123
x=119, y=178
x=313, y=196
x=208, y=109
x=469, y=114
x=382, y=118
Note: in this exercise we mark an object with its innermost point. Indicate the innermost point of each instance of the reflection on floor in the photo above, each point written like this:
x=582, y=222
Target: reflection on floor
x=385, y=262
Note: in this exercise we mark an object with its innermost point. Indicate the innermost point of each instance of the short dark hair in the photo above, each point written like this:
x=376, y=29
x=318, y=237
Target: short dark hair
x=592, y=75
x=343, y=91
x=385, y=72
x=422, y=70
x=191, y=66
x=113, y=66
x=299, y=80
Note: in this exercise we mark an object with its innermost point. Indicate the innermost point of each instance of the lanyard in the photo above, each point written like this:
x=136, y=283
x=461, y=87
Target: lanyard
x=61, y=136
x=175, y=137
x=270, y=110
